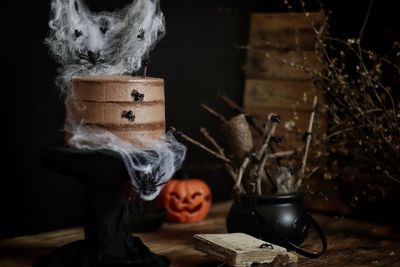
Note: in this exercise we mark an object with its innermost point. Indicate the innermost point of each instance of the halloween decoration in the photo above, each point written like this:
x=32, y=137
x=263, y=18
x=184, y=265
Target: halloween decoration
x=266, y=178
x=186, y=200
x=110, y=112
x=107, y=110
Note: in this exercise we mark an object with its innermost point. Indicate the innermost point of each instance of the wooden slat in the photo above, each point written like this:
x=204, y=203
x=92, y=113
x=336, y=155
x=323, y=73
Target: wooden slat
x=282, y=29
x=268, y=64
x=289, y=95
x=299, y=118
x=292, y=101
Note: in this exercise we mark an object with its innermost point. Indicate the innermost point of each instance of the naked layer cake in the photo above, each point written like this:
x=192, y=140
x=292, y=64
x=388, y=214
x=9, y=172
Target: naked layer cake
x=131, y=107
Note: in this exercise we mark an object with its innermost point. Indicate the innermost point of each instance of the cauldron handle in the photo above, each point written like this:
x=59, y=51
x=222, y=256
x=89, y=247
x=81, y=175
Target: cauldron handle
x=294, y=247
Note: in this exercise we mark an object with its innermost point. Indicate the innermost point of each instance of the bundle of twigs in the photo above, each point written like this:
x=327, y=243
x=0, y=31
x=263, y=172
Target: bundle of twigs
x=245, y=162
x=364, y=113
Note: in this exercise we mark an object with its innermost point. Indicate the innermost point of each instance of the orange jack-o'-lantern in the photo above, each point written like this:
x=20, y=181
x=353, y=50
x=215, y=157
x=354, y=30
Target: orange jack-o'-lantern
x=187, y=200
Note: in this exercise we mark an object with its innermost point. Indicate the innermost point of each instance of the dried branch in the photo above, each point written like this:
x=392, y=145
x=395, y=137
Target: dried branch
x=391, y=176
x=351, y=91
x=238, y=184
x=220, y=150
x=250, y=118
x=272, y=123
x=266, y=129
x=253, y=188
x=360, y=35
x=282, y=154
x=198, y=144
x=213, y=112
x=308, y=139
x=311, y=173
x=272, y=181
x=274, y=120
x=231, y=104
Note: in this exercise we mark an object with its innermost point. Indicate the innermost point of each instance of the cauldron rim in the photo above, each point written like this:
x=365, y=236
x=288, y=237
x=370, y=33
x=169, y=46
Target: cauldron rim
x=281, y=198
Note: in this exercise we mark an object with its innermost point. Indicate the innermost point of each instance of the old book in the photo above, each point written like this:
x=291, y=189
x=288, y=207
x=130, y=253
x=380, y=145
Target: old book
x=241, y=250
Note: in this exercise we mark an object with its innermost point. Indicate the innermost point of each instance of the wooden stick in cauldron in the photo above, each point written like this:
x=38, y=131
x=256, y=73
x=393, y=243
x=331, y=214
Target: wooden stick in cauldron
x=308, y=141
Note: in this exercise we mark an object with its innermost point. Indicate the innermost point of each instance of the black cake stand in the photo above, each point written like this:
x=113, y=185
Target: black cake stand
x=107, y=241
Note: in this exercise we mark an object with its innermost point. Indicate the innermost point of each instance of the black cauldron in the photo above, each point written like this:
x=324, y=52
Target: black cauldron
x=281, y=220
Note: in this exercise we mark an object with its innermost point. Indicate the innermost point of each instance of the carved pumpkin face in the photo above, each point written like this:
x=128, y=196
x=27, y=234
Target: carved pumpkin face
x=186, y=200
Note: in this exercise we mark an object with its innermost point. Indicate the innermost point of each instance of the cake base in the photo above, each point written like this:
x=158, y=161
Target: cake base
x=108, y=242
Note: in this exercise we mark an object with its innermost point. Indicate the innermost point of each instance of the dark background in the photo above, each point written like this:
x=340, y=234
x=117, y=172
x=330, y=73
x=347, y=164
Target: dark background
x=197, y=58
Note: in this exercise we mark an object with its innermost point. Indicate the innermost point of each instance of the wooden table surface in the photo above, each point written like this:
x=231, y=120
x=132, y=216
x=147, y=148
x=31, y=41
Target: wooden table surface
x=351, y=243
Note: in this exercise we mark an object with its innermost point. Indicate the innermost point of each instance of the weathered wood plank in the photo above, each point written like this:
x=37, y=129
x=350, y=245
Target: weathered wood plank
x=292, y=121
x=282, y=29
x=280, y=64
x=286, y=95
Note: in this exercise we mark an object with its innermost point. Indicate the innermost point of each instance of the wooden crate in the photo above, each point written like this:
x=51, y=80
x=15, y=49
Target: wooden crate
x=282, y=46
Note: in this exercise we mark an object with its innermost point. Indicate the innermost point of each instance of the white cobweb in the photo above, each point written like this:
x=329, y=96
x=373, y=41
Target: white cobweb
x=88, y=43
